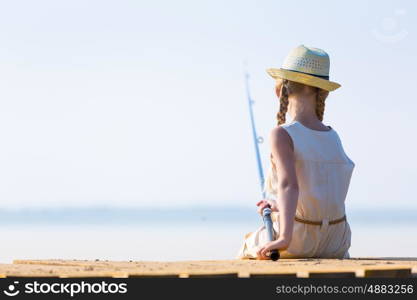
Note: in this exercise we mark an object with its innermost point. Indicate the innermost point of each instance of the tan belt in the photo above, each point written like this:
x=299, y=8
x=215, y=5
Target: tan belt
x=319, y=223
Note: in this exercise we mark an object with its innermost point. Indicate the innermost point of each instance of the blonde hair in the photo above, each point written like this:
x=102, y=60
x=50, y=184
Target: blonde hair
x=284, y=88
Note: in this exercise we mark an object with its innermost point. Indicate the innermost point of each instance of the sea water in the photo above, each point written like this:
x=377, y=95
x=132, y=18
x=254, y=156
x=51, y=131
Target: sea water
x=193, y=233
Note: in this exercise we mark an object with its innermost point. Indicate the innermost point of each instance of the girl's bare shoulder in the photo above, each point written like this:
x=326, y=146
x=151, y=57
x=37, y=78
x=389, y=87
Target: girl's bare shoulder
x=279, y=136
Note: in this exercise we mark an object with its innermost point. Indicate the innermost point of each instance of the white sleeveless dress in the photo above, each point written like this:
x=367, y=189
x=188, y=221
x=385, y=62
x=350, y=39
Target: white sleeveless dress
x=323, y=173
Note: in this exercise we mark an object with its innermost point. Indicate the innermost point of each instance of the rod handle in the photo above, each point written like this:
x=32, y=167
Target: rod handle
x=266, y=213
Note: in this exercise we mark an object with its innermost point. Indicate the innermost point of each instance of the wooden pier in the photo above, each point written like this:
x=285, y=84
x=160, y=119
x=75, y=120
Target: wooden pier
x=327, y=268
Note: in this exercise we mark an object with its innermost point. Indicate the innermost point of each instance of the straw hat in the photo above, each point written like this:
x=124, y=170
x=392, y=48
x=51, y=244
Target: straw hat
x=306, y=65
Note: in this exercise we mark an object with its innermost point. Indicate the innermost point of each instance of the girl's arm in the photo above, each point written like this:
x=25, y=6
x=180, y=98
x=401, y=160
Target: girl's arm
x=282, y=150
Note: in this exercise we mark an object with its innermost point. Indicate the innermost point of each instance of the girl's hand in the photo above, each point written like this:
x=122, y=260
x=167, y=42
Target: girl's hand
x=266, y=203
x=279, y=244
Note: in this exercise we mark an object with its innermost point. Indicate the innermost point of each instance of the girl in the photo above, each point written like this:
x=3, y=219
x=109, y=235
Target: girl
x=309, y=171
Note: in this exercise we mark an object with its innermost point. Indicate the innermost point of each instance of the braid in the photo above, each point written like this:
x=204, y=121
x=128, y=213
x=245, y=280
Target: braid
x=320, y=107
x=283, y=107
x=320, y=103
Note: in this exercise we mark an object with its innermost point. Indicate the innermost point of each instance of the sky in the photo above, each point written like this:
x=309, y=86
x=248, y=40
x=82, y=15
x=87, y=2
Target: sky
x=142, y=103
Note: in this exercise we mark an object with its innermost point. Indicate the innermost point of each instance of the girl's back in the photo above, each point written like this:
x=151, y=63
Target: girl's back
x=323, y=172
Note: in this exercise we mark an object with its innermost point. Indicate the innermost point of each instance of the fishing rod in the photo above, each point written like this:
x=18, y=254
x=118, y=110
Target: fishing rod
x=266, y=213
x=256, y=139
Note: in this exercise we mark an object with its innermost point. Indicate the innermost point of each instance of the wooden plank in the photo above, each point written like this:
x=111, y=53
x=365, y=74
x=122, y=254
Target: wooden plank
x=94, y=275
x=388, y=273
x=214, y=275
x=153, y=276
x=31, y=275
x=331, y=274
x=273, y=275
